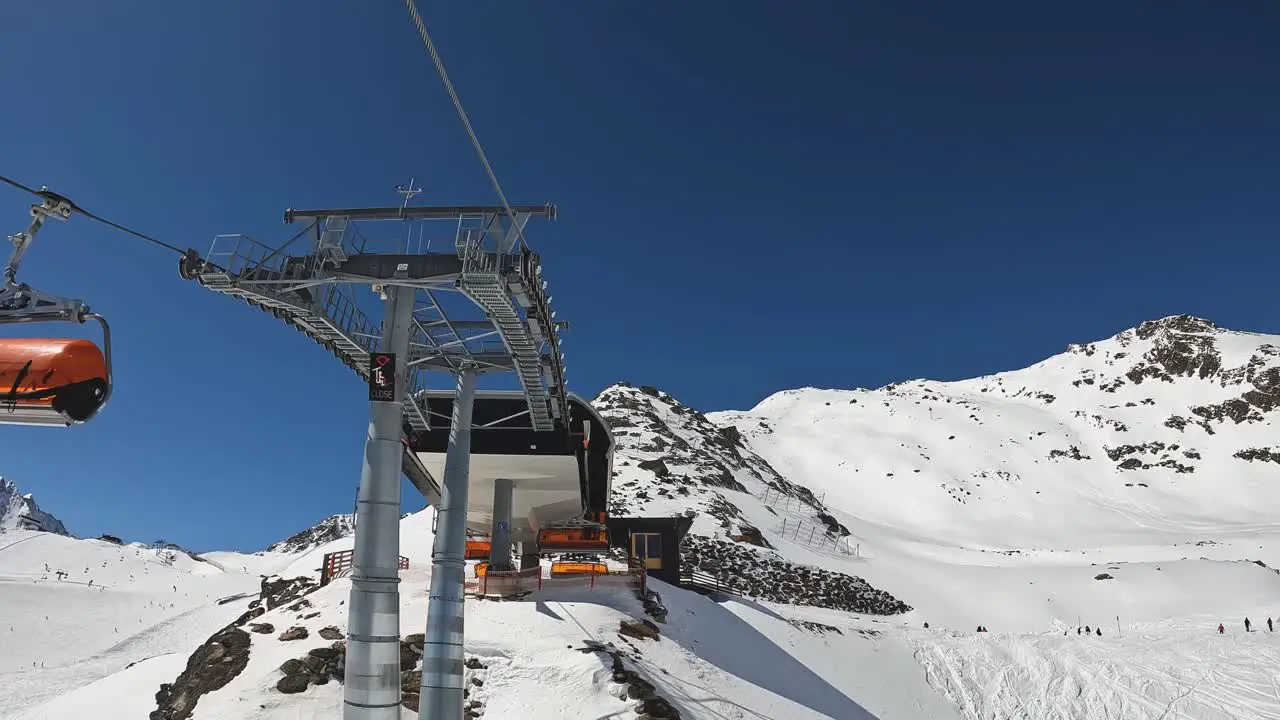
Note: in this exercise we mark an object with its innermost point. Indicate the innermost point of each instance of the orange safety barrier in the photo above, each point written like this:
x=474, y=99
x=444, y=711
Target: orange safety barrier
x=482, y=569
x=522, y=582
x=477, y=549
x=69, y=375
x=578, y=568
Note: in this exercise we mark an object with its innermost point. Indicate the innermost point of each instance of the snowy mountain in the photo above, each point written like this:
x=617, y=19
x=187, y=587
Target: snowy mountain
x=1121, y=485
x=1164, y=430
x=671, y=460
x=334, y=527
x=20, y=512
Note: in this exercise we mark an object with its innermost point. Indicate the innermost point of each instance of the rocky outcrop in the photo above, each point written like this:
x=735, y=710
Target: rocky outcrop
x=222, y=657
x=277, y=591
x=226, y=653
x=762, y=575
x=1259, y=454
x=331, y=528
x=317, y=667
x=631, y=685
x=639, y=629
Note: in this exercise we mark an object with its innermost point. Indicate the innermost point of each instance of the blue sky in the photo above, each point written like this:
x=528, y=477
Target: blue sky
x=837, y=194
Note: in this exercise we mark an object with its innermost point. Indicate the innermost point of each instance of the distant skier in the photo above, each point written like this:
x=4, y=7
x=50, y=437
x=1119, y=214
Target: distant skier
x=1088, y=630
x=1099, y=632
x=1221, y=629
x=926, y=625
x=1079, y=630
x=1270, y=627
x=1247, y=626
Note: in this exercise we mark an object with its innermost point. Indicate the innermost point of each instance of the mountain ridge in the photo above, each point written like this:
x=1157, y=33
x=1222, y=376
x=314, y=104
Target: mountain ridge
x=19, y=511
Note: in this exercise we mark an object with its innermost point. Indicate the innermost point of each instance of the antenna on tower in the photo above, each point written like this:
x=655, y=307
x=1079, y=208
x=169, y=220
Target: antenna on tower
x=408, y=191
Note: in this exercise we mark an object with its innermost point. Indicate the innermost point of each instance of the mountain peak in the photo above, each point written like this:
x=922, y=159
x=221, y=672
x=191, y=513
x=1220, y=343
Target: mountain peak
x=19, y=511
x=331, y=528
x=1182, y=324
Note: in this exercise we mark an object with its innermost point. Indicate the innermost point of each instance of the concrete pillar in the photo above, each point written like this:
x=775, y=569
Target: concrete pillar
x=442, y=657
x=500, y=547
x=371, y=689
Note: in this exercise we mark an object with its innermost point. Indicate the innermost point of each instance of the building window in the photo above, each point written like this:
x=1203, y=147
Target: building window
x=647, y=548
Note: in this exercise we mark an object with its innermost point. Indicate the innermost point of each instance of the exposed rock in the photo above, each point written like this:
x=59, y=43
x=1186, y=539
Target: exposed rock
x=331, y=528
x=263, y=628
x=293, y=683
x=1102, y=576
x=1259, y=454
x=297, y=632
x=751, y=535
x=641, y=630
x=762, y=575
x=277, y=591
x=329, y=633
x=214, y=664
x=324, y=653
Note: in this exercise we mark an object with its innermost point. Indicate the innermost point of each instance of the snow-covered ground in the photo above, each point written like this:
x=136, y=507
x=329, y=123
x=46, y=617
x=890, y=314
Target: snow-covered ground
x=115, y=606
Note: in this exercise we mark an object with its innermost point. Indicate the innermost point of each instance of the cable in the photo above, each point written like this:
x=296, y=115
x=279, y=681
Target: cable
x=457, y=104
x=134, y=233
x=17, y=184
x=91, y=216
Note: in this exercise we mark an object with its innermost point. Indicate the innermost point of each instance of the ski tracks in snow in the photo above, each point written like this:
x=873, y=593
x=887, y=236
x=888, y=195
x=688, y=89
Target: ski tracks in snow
x=1187, y=673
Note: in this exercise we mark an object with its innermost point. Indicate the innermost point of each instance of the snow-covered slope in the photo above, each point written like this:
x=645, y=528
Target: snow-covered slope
x=115, y=605
x=20, y=512
x=1156, y=434
x=1124, y=483
x=711, y=660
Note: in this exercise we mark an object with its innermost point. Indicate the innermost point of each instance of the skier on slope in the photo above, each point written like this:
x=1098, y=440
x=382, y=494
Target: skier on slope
x=1270, y=628
x=1221, y=629
x=1247, y=626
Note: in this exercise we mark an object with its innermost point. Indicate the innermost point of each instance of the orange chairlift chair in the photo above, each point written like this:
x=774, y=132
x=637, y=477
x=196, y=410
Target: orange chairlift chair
x=574, y=536
x=48, y=381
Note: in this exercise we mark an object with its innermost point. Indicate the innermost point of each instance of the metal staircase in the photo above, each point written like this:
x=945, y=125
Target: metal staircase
x=483, y=280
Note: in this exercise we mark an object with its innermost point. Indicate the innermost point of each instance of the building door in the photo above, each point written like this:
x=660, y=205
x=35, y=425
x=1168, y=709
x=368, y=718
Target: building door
x=647, y=548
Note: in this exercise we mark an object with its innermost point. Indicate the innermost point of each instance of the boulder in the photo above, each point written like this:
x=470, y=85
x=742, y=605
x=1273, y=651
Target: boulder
x=263, y=628
x=293, y=684
x=330, y=633
x=297, y=632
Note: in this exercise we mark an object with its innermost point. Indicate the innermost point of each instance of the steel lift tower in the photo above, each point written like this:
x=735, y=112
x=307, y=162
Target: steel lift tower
x=503, y=324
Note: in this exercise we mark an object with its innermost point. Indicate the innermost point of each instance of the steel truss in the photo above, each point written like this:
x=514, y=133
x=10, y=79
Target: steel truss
x=310, y=284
